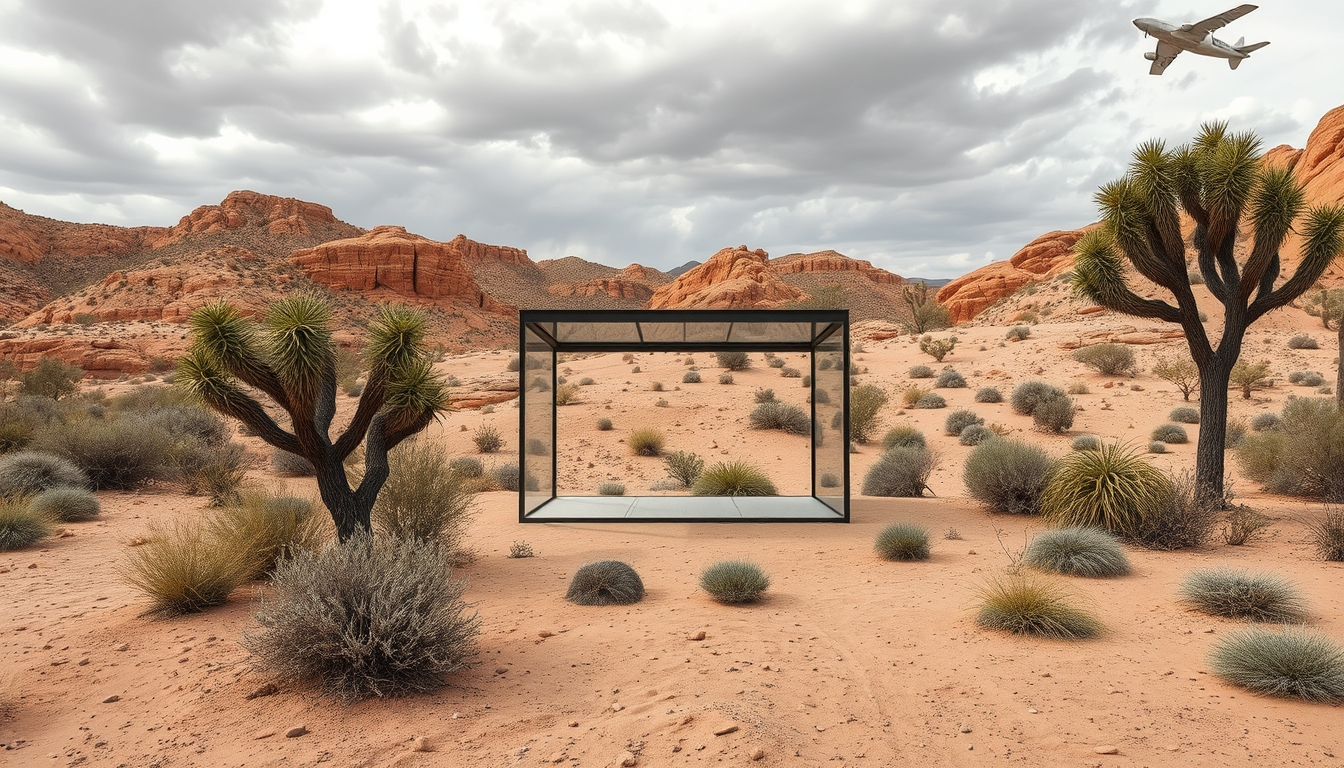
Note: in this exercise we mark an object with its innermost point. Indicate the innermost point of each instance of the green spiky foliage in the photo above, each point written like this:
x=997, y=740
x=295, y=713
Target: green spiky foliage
x=1220, y=181
x=1329, y=306
x=290, y=357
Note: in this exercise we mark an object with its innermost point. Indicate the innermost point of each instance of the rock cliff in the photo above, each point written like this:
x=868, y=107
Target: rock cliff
x=1046, y=256
x=733, y=278
x=830, y=261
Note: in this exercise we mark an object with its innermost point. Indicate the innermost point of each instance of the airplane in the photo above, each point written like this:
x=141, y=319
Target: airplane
x=1195, y=38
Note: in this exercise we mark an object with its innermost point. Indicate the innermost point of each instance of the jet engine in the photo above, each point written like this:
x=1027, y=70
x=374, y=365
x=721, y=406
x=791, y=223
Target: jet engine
x=1150, y=55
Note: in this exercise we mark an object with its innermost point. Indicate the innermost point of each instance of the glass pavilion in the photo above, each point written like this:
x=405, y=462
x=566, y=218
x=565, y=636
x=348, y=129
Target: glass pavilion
x=823, y=334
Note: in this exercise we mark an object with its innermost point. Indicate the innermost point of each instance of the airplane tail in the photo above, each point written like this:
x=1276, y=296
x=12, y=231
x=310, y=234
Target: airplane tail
x=1233, y=63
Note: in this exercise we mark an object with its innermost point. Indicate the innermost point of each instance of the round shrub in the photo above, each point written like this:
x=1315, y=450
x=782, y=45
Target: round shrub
x=988, y=395
x=958, y=420
x=691, y=377
x=1306, y=378
x=1157, y=446
x=825, y=364
x=1053, y=415
x=733, y=478
x=1111, y=488
x=903, y=542
x=188, y=568
x=1303, y=341
x=606, y=582
x=901, y=471
x=829, y=480
x=1024, y=604
x=189, y=422
x=822, y=397
x=1008, y=476
x=773, y=414
x=763, y=395
x=1236, y=594
x=604, y=424
x=1170, y=433
x=921, y=372
x=931, y=401
x=950, y=379
x=67, y=505
x=975, y=434
x=1266, y=422
x=611, y=489
x=904, y=436
x=505, y=476
x=291, y=465
x=1077, y=552
x=467, y=466
x=423, y=497
x=1108, y=359
x=775, y=362
x=21, y=525
x=487, y=439
x=733, y=361
x=734, y=581
x=1018, y=333
x=790, y=373
x=725, y=378
x=1086, y=443
x=586, y=381
x=1027, y=395
x=1288, y=663
x=1184, y=415
x=29, y=472
x=367, y=618
x=646, y=442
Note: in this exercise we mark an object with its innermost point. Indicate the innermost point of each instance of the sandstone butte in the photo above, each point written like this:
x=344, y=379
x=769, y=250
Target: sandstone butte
x=830, y=261
x=616, y=288
x=733, y=278
x=279, y=215
x=1319, y=167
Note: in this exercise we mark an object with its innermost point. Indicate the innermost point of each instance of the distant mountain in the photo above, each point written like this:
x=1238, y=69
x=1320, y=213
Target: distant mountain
x=932, y=282
x=683, y=269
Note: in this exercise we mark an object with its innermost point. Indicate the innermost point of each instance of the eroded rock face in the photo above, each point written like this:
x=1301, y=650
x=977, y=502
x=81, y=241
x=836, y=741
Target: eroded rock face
x=1046, y=256
x=614, y=287
x=100, y=357
x=733, y=278
x=831, y=261
x=642, y=274
x=28, y=239
x=278, y=215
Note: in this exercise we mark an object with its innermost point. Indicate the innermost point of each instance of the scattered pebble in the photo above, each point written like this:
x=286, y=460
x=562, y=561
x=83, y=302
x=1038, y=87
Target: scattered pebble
x=1107, y=749
x=965, y=727
x=1033, y=711
x=616, y=706
x=725, y=730
x=122, y=647
x=545, y=633
x=572, y=723
x=295, y=732
x=697, y=636
x=112, y=699
x=263, y=735
x=422, y=744
x=627, y=759
x=758, y=754
x=501, y=670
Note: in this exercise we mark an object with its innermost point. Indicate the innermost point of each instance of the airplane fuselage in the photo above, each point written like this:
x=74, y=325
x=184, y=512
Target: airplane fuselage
x=1205, y=45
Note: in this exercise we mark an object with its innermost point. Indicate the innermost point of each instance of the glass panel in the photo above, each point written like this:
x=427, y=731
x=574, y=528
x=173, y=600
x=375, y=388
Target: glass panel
x=771, y=332
x=714, y=332
x=535, y=455
x=829, y=446
x=663, y=332
x=596, y=332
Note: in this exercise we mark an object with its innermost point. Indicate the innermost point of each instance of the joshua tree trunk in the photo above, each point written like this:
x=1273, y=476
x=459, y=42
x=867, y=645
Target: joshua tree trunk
x=1210, y=451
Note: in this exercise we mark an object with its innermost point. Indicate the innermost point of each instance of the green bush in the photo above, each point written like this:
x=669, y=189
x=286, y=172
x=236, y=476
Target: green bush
x=1107, y=359
x=120, y=454
x=188, y=422
x=950, y=379
x=611, y=489
x=1303, y=341
x=734, y=581
x=1077, y=552
x=937, y=348
x=829, y=480
x=423, y=499
x=1327, y=535
x=1018, y=332
x=900, y=472
x=31, y=472
x=51, y=378
x=958, y=420
x=733, y=361
x=764, y=395
x=1236, y=433
x=1237, y=594
x=1024, y=604
x=67, y=505
x=733, y=478
x=1112, y=488
x=1180, y=519
x=21, y=525
x=188, y=568
x=1184, y=415
x=586, y=381
x=1008, y=476
x=1028, y=395
x=684, y=467
x=1086, y=443
x=903, y=436
x=604, y=424
x=774, y=414
x=1288, y=663
x=268, y=527
x=536, y=447
x=288, y=464
x=367, y=618
x=975, y=434
x=921, y=372
x=1172, y=434
x=865, y=404
x=1054, y=415
x=1306, y=378
x=931, y=401
x=148, y=398
x=988, y=395
x=487, y=439
x=1304, y=456
x=566, y=394
x=606, y=582
x=691, y=377
x=903, y=542
x=646, y=441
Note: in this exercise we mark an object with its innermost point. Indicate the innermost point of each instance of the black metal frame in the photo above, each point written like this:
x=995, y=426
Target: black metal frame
x=825, y=324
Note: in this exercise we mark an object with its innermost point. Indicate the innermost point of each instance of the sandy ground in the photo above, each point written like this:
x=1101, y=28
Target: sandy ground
x=850, y=659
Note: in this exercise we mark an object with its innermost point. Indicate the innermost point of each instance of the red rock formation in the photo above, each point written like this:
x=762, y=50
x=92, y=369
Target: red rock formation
x=732, y=278
x=28, y=239
x=99, y=356
x=830, y=261
x=475, y=252
x=1320, y=167
x=642, y=274
x=279, y=215
x=614, y=287
x=1046, y=256
x=406, y=264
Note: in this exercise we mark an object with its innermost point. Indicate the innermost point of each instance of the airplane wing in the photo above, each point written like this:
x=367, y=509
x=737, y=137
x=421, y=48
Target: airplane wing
x=1166, y=53
x=1221, y=20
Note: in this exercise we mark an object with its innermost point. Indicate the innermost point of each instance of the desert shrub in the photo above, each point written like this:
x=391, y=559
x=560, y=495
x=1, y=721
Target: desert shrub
x=1112, y=488
x=611, y=489
x=901, y=471
x=187, y=568
x=1180, y=371
x=975, y=434
x=937, y=348
x=789, y=373
x=288, y=464
x=829, y=480
x=822, y=397
x=51, y=378
x=1303, y=341
x=217, y=471
x=959, y=420
x=733, y=361
x=1237, y=594
x=775, y=362
x=466, y=466
x=188, y=422
x=950, y=379
x=520, y=549
x=535, y=447
x=145, y=399
x=1077, y=388
x=513, y=365
x=627, y=358
x=684, y=467
x=566, y=394
x=763, y=395
x=32, y=472
x=1077, y=552
x=825, y=364
x=903, y=542
x=505, y=476
x=1053, y=415
x=656, y=386
x=1008, y=476
x=1326, y=534
x=1027, y=395
x=931, y=401
x=67, y=505
x=1018, y=332
x=1025, y=604
x=912, y=395
x=120, y=454
x=1236, y=433
x=689, y=360
x=586, y=381
x=1306, y=378
x=1107, y=359
x=1243, y=525
x=606, y=582
x=988, y=395
x=422, y=498
x=782, y=416
x=691, y=377
x=734, y=581
x=380, y=618
x=604, y=424
x=1184, y=415
x=267, y=526
x=865, y=404
x=1157, y=446
x=1173, y=434
x=646, y=441
x=733, y=478
x=1289, y=663
x=725, y=378
x=21, y=525
x=1180, y=519
x=921, y=372
x=1304, y=456
x=903, y=436
x=1248, y=376
x=487, y=439
x=1086, y=443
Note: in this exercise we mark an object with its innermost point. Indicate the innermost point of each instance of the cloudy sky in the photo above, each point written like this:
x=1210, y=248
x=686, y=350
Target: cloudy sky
x=929, y=136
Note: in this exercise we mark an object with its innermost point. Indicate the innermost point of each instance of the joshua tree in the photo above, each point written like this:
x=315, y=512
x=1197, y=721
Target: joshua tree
x=1329, y=306
x=292, y=360
x=1219, y=181
x=926, y=314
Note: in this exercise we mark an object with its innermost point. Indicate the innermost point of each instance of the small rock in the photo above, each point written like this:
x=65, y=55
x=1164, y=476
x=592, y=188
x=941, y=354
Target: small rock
x=501, y=670
x=725, y=730
x=263, y=735
x=122, y=647
x=34, y=565
x=758, y=754
x=972, y=552
x=84, y=662
x=66, y=533
x=697, y=636
x=112, y=699
x=965, y=727
x=1107, y=749
x=573, y=723
x=295, y=732
x=4, y=569
x=556, y=757
x=269, y=689
x=1033, y=711
x=545, y=633
x=422, y=744
x=627, y=759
